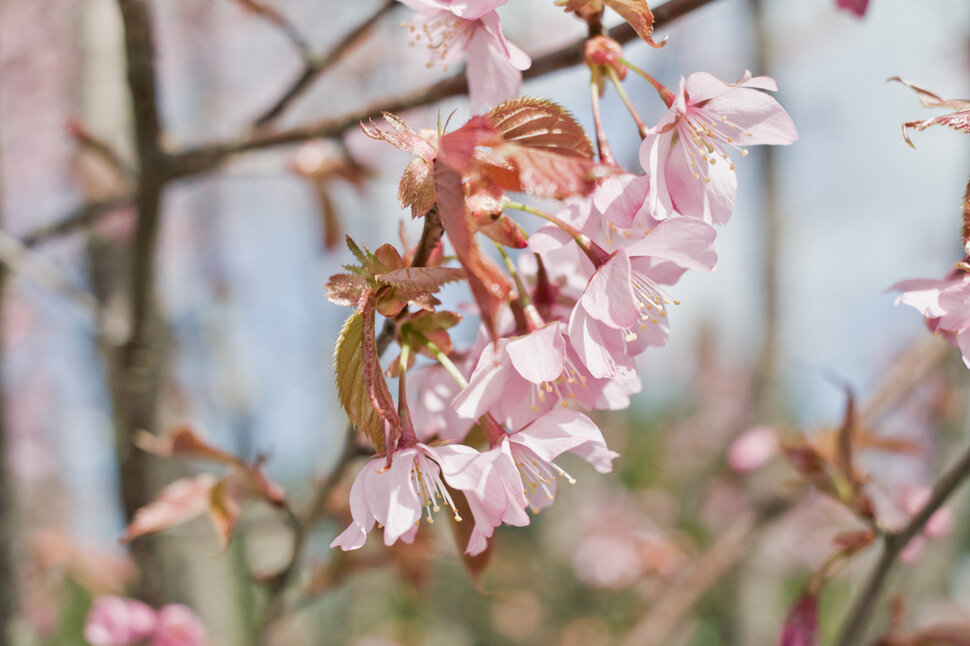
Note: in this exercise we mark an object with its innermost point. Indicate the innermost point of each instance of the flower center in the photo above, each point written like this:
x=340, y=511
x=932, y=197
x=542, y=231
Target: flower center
x=537, y=474
x=426, y=482
x=561, y=388
x=443, y=34
x=652, y=302
x=702, y=135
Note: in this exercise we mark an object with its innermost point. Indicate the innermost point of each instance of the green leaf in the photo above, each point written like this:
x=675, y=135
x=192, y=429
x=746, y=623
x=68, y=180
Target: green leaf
x=349, y=364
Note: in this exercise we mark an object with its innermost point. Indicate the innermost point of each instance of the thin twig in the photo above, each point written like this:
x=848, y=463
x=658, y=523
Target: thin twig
x=893, y=544
x=313, y=68
x=80, y=218
x=274, y=17
x=202, y=159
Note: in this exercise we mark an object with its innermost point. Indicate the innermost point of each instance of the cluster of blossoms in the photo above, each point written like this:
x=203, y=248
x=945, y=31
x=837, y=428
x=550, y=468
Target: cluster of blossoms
x=561, y=329
x=117, y=621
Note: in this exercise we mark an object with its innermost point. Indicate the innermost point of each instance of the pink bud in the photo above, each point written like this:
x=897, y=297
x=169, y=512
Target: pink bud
x=115, y=621
x=858, y=7
x=178, y=625
x=940, y=524
x=752, y=449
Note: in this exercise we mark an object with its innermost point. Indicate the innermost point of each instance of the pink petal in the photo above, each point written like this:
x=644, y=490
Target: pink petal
x=540, y=355
x=609, y=294
x=390, y=494
x=487, y=383
x=654, y=151
x=494, y=65
x=757, y=117
x=178, y=625
x=621, y=197
x=858, y=7
x=566, y=430
x=586, y=337
x=711, y=200
x=687, y=242
x=362, y=522
x=922, y=294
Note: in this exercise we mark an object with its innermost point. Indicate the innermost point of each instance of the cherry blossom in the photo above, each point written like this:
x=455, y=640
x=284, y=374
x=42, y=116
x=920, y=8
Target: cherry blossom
x=944, y=303
x=395, y=496
x=858, y=7
x=452, y=29
x=684, y=154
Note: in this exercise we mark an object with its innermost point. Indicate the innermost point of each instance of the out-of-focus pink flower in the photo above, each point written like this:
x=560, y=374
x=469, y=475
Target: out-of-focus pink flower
x=945, y=304
x=752, y=449
x=452, y=29
x=858, y=7
x=395, y=496
x=178, y=625
x=116, y=621
x=940, y=523
x=684, y=154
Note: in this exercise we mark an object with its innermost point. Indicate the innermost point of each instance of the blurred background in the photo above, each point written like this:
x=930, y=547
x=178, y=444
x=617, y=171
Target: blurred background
x=797, y=307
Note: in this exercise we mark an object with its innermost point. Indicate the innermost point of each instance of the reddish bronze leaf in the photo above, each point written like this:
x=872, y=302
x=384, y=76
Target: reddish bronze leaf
x=184, y=442
x=461, y=531
x=958, y=120
x=489, y=286
x=423, y=144
x=539, y=124
x=223, y=510
x=427, y=279
x=638, y=14
x=177, y=503
x=416, y=188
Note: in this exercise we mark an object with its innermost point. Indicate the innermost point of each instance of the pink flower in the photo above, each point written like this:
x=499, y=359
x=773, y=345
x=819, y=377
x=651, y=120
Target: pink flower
x=536, y=446
x=431, y=390
x=858, y=7
x=452, y=29
x=116, y=621
x=395, y=496
x=178, y=625
x=945, y=304
x=684, y=153
x=624, y=293
x=752, y=449
x=519, y=379
x=493, y=488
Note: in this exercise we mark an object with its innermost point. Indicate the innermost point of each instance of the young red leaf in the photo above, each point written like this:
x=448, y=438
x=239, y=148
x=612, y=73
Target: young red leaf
x=223, y=510
x=348, y=361
x=488, y=284
x=540, y=124
x=958, y=120
x=177, y=503
x=346, y=289
x=423, y=144
x=461, y=531
x=374, y=383
x=416, y=188
x=184, y=442
x=801, y=625
x=426, y=279
x=638, y=14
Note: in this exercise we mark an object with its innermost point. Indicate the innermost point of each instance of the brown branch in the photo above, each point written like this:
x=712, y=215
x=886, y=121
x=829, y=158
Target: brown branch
x=135, y=374
x=894, y=543
x=274, y=17
x=82, y=217
x=205, y=158
x=313, y=68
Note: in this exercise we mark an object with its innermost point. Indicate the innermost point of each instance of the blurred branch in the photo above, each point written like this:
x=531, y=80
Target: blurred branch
x=274, y=17
x=82, y=217
x=314, y=67
x=17, y=258
x=667, y=614
x=100, y=148
x=893, y=544
x=202, y=159
x=135, y=374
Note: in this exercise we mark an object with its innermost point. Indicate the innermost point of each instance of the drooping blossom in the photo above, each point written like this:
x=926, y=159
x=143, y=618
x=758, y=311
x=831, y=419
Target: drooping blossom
x=521, y=378
x=753, y=449
x=396, y=496
x=624, y=301
x=944, y=303
x=117, y=621
x=178, y=625
x=452, y=29
x=684, y=154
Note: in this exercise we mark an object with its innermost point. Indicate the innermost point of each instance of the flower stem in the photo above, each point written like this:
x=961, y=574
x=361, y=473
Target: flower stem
x=606, y=155
x=664, y=92
x=442, y=358
x=533, y=320
x=592, y=250
x=641, y=127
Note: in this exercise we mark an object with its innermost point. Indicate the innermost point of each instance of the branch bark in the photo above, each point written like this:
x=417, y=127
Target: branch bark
x=893, y=543
x=135, y=373
x=313, y=68
x=205, y=158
